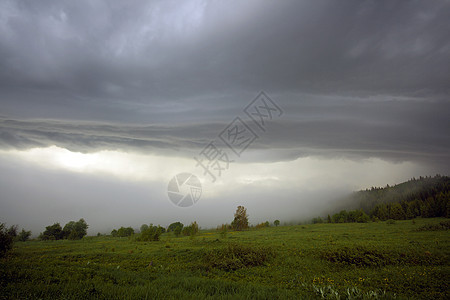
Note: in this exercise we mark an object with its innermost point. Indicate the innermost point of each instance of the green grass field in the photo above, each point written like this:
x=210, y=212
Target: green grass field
x=330, y=261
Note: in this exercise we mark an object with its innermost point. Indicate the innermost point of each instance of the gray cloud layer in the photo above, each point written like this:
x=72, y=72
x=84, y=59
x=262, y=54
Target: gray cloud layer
x=355, y=129
x=164, y=61
x=357, y=78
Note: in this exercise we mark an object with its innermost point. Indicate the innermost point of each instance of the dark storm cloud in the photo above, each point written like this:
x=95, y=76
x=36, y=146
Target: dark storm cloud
x=351, y=129
x=356, y=78
x=117, y=61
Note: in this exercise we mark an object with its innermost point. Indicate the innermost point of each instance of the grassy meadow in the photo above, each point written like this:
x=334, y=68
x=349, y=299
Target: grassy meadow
x=328, y=261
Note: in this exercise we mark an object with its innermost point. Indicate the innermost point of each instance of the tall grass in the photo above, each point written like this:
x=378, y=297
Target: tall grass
x=328, y=261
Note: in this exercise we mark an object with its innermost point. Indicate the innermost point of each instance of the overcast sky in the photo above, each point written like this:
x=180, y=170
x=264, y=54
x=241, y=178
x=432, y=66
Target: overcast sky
x=103, y=102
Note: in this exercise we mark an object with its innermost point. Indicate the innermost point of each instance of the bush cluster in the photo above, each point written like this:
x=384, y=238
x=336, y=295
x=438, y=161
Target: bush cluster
x=236, y=256
x=435, y=227
x=150, y=233
x=122, y=232
x=371, y=257
x=6, y=240
x=72, y=231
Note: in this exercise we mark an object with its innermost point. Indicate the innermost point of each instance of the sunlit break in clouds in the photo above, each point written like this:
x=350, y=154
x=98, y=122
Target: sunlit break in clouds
x=103, y=103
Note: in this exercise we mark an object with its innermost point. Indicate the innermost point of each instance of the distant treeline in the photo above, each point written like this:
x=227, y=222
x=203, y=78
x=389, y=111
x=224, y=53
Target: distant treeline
x=353, y=216
x=425, y=197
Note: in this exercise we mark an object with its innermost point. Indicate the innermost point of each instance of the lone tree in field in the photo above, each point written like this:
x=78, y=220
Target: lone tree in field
x=276, y=222
x=240, y=221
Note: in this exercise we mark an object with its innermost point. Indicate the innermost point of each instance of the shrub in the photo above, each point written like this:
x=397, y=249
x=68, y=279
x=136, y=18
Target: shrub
x=261, y=225
x=12, y=231
x=190, y=230
x=175, y=225
x=317, y=220
x=52, y=232
x=72, y=231
x=223, y=229
x=152, y=233
x=6, y=240
x=236, y=256
x=24, y=235
x=186, y=231
x=144, y=227
x=125, y=231
x=435, y=227
x=358, y=256
x=177, y=230
x=75, y=230
x=194, y=228
x=372, y=257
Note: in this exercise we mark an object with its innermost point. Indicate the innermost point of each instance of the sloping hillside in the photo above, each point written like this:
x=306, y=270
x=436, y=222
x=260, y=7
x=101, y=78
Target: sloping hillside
x=425, y=196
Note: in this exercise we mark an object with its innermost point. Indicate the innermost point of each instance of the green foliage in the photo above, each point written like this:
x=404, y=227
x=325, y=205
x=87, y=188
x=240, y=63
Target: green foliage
x=320, y=261
x=152, y=233
x=426, y=197
x=353, y=216
x=317, y=220
x=12, y=231
x=24, y=235
x=123, y=232
x=52, y=232
x=186, y=231
x=75, y=230
x=194, y=228
x=143, y=228
x=6, y=240
x=72, y=231
x=240, y=221
x=236, y=256
x=173, y=226
x=332, y=292
x=177, y=230
x=276, y=222
x=435, y=227
x=190, y=230
x=223, y=230
x=176, y=227
x=363, y=256
x=260, y=225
